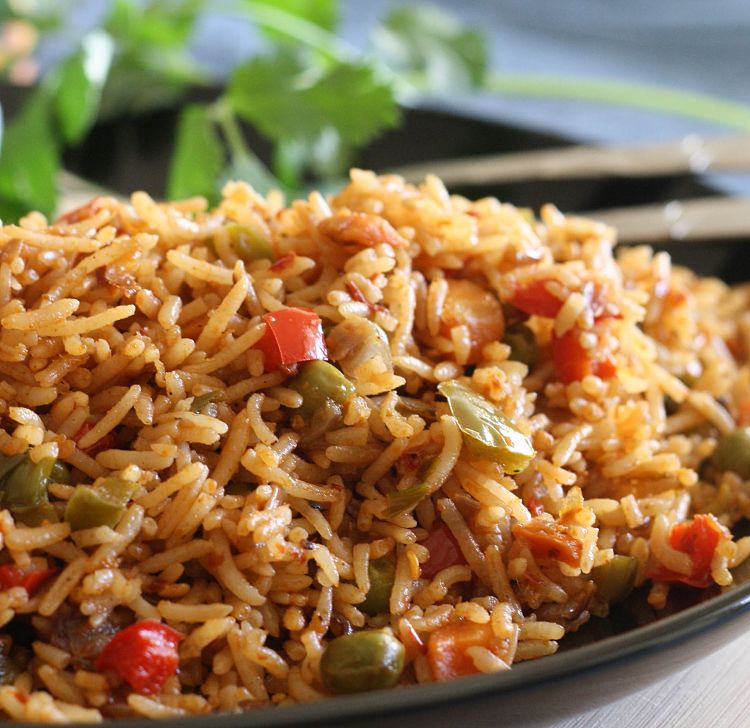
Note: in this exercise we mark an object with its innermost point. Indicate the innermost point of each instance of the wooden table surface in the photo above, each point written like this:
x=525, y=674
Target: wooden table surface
x=711, y=693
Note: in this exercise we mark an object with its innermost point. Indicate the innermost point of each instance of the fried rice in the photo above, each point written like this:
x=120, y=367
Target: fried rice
x=515, y=426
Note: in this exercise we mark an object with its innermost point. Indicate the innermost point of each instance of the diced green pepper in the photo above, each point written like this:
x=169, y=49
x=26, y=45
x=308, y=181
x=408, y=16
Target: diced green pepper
x=60, y=473
x=382, y=573
x=615, y=579
x=733, y=453
x=23, y=487
x=319, y=381
x=487, y=432
x=26, y=485
x=401, y=501
x=247, y=243
x=8, y=464
x=199, y=402
x=522, y=342
x=102, y=505
x=35, y=515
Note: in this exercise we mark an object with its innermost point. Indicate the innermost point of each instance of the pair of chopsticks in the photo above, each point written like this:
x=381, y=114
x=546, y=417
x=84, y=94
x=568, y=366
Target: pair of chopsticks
x=704, y=218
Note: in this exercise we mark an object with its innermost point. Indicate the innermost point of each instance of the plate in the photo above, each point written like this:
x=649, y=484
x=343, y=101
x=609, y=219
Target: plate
x=132, y=154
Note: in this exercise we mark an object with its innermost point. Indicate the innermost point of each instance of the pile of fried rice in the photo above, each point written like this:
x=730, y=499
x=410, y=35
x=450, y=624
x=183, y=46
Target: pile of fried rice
x=134, y=349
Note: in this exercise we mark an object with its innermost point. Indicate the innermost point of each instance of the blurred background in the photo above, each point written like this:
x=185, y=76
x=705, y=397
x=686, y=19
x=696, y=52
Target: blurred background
x=176, y=96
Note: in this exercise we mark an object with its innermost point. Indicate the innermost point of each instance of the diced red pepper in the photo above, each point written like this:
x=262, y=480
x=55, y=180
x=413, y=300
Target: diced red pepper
x=292, y=335
x=549, y=542
x=698, y=539
x=534, y=298
x=105, y=443
x=144, y=655
x=444, y=551
x=283, y=262
x=573, y=362
x=447, y=646
x=535, y=506
x=12, y=575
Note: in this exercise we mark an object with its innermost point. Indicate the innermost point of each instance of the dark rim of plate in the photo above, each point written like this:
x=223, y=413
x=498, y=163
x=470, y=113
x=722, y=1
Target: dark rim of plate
x=664, y=633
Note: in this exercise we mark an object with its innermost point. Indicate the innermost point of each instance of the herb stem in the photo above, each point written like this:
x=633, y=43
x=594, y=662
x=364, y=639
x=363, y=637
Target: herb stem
x=644, y=96
x=221, y=112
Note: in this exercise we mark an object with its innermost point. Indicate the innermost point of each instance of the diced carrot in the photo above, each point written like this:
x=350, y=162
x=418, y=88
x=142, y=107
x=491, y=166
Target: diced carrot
x=477, y=310
x=413, y=643
x=447, y=646
x=549, y=542
x=743, y=416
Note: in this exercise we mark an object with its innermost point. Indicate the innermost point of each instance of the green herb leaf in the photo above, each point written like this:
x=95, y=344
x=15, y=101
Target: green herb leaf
x=433, y=47
x=81, y=79
x=323, y=13
x=198, y=157
x=29, y=161
x=311, y=110
x=250, y=169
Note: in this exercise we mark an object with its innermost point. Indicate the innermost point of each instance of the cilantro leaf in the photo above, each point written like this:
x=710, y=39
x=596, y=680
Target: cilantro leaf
x=198, y=156
x=81, y=79
x=427, y=43
x=249, y=168
x=323, y=13
x=285, y=101
x=29, y=161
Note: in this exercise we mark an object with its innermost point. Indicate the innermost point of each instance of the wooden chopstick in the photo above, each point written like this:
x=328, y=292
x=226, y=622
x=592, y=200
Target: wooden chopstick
x=699, y=219
x=690, y=155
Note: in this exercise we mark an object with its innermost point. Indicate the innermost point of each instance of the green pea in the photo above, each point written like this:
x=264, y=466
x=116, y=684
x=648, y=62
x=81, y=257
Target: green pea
x=319, y=381
x=615, y=579
x=522, y=343
x=199, y=402
x=733, y=453
x=368, y=660
x=249, y=244
x=102, y=505
x=486, y=431
x=382, y=573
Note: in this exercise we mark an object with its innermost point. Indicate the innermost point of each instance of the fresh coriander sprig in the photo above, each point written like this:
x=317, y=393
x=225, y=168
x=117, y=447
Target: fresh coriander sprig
x=313, y=95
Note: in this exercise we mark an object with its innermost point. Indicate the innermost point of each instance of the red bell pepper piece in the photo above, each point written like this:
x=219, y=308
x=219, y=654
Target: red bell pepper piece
x=444, y=551
x=573, y=362
x=144, y=655
x=12, y=575
x=534, y=299
x=292, y=335
x=105, y=443
x=698, y=539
